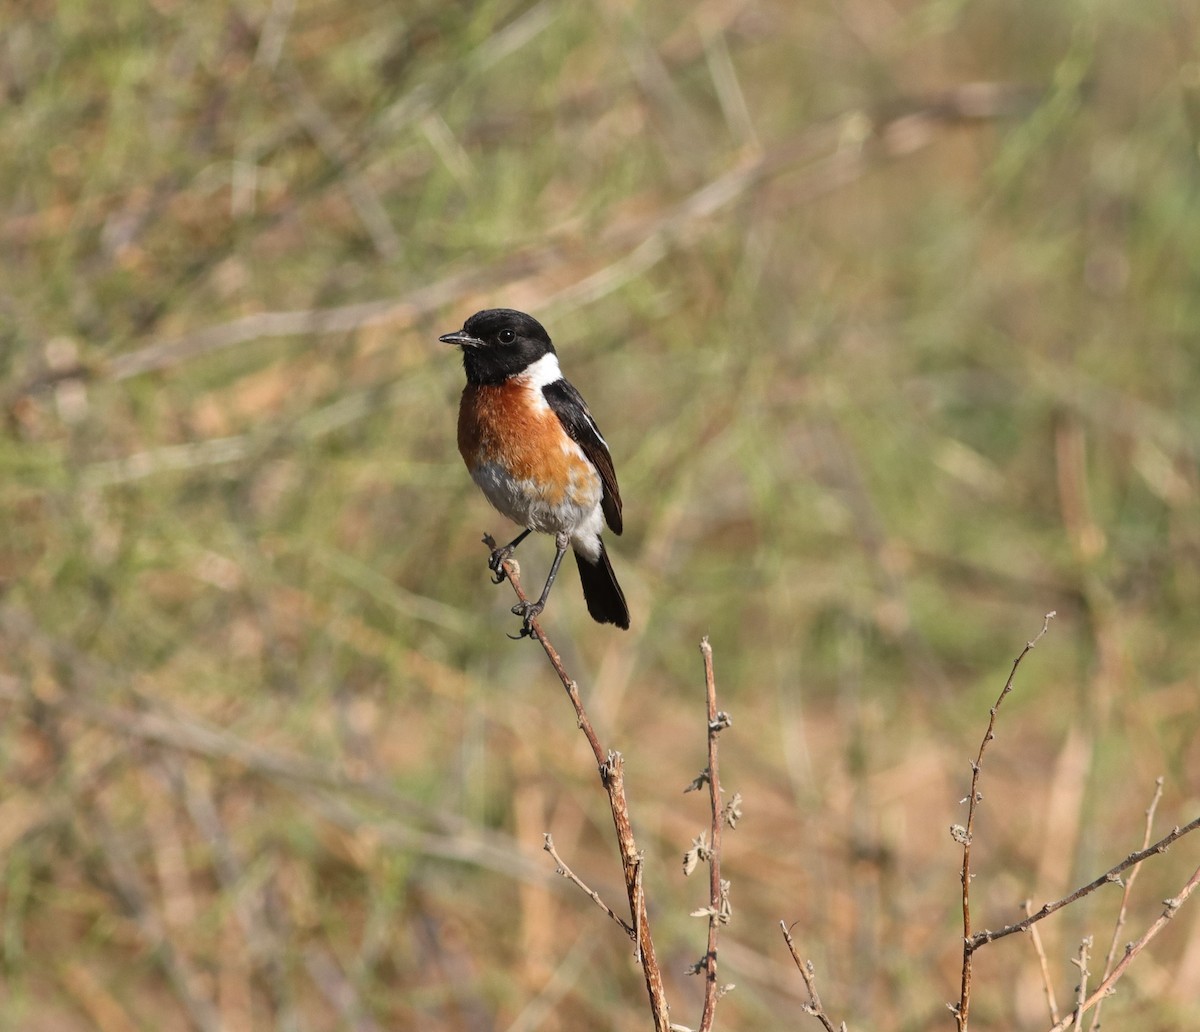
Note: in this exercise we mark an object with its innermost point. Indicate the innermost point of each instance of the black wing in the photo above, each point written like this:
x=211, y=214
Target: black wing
x=572, y=412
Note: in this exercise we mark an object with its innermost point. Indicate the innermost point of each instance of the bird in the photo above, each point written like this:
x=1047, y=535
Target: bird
x=532, y=446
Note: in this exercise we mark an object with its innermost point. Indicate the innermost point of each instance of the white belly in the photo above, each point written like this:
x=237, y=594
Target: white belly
x=577, y=513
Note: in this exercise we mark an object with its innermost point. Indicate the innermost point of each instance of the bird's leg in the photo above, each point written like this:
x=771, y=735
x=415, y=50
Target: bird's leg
x=528, y=610
x=501, y=554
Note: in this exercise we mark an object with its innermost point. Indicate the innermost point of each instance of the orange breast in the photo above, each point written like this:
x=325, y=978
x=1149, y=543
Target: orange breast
x=511, y=426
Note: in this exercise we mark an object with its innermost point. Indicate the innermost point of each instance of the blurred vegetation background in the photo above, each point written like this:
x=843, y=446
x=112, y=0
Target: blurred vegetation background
x=888, y=310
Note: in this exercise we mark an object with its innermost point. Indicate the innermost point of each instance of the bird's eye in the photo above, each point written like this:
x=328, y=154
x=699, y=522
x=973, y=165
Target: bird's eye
x=507, y=336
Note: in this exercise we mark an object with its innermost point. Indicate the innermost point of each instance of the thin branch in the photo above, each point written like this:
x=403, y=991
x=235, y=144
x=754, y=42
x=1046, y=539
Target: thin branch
x=718, y=905
x=612, y=777
x=1085, y=948
x=1105, y=988
x=809, y=975
x=1047, y=983
x=963, y=835
x=562, y=868
x=639, y=905
x=1120, y=922
x=513, y=573
x=1109, y=877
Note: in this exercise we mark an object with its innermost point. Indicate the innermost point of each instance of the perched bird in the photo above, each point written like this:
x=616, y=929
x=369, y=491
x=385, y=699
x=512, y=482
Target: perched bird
x=532, y=446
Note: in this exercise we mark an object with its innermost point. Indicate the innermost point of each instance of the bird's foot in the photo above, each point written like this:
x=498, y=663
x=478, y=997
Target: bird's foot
x=528, y=612
x=496, y=563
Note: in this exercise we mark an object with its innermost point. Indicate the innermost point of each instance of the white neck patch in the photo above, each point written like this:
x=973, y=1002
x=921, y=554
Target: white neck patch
x=543, y=372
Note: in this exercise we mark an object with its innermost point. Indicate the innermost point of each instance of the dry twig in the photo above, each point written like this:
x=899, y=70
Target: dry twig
x=1111, y=876
x=611, y=768
x=562, y=868
x=814, y=1006
x=1105, y=988
x=973, y=941
x=718, y=902
x=963, y=835
x=1085, y=949
x=1047, y=984
x=1120, y=922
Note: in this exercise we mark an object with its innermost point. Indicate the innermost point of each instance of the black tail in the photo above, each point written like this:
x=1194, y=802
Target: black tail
x=605, y=599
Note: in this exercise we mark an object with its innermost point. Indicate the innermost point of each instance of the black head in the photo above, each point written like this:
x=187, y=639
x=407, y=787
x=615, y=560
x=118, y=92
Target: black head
x=499, y=343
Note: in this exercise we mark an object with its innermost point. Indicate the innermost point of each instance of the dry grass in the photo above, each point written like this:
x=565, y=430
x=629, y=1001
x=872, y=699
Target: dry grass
x=886, y=377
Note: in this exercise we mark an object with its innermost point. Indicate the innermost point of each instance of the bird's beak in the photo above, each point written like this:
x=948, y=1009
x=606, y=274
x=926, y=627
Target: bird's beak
x=460, y=338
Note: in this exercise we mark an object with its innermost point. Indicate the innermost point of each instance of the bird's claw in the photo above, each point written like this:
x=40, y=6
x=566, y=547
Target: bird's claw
x=528, y=612
x=496, y=563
